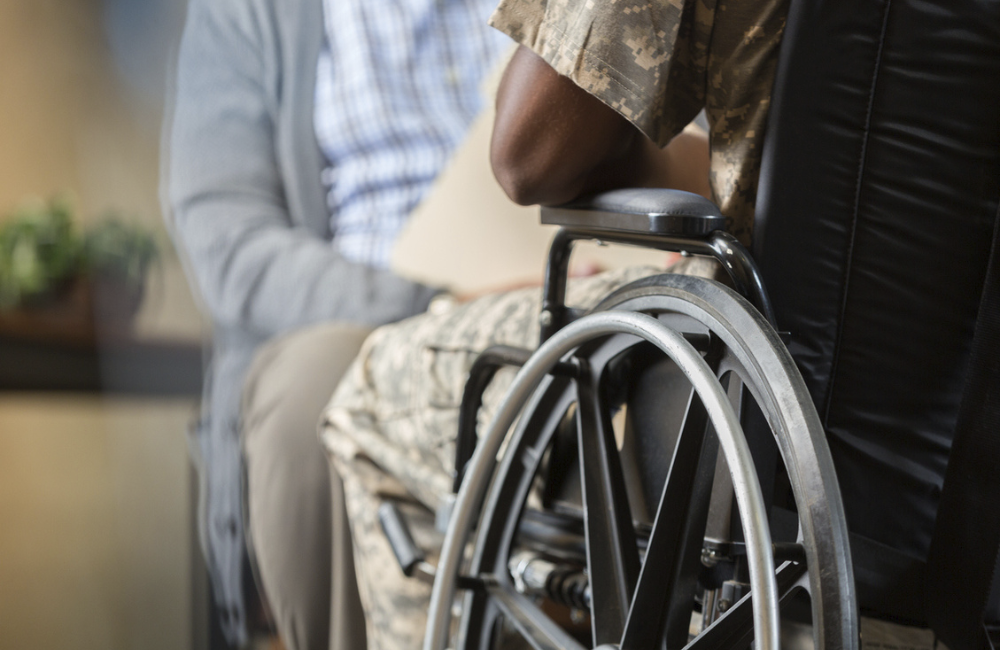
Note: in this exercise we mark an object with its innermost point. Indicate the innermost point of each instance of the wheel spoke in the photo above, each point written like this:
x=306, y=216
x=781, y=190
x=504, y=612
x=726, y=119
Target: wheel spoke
x=734, y=629
x=755, y=356
x=612, y=555
x=479, y=618
x=671, y=568
x=537, y=628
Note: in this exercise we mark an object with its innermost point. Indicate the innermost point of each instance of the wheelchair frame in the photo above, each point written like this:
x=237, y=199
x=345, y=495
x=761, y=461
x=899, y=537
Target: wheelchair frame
x=673, y=221
x=875, y=162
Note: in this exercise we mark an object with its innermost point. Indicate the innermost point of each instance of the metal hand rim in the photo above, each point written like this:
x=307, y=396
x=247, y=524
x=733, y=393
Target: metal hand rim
x=753, y=514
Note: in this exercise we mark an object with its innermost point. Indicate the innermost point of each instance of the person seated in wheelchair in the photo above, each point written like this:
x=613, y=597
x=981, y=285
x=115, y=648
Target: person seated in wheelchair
x=586, y=106
x=571, y=121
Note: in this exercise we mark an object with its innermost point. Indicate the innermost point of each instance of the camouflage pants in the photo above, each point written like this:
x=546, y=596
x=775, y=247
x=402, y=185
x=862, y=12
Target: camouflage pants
x=391, y=425
x=390, y=431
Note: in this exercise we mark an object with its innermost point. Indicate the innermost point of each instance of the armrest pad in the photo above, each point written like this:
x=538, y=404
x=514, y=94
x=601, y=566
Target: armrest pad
x=648, y=211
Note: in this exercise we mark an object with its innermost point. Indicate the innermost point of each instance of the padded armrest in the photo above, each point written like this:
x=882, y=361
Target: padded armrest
x=647, y=211
x=668, y=220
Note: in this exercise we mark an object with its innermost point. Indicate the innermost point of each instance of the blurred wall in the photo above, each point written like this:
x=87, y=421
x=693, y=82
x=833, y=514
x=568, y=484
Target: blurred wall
x=95, y=524
x=81, y=92
x=96, y=544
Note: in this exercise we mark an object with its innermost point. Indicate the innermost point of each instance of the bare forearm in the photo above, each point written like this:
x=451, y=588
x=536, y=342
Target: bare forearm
x=553, y=141
x=537, y=154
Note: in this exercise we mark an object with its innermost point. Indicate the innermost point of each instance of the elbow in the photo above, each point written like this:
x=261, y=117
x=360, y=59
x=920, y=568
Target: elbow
x=527, y=178
x=521, y=188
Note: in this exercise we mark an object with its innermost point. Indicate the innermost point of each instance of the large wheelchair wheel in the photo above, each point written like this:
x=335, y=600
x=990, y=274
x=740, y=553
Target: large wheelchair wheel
x=564, y=562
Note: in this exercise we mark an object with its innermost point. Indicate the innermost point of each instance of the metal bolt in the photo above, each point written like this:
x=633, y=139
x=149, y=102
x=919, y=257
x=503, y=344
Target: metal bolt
x=685, y=254
x=724, y=605
x=710, y=557
x=545, y=318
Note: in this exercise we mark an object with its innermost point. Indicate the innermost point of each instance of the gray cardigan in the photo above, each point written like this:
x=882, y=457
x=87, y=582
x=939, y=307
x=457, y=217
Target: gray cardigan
x=248, y=211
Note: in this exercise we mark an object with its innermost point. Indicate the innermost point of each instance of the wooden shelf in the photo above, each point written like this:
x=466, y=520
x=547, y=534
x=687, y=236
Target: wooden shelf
x=120, y=366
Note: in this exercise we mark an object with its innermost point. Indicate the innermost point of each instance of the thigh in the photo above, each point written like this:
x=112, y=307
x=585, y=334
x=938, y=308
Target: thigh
x=391, y=425
x=293, y=376
x=289, y=383
x=398, y=404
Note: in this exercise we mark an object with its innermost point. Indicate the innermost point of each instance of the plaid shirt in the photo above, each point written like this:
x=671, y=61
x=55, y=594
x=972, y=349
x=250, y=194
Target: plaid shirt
x=398, y=85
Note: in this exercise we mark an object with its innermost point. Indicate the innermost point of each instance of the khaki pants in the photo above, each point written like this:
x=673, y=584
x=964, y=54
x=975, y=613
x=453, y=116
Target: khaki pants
x=297, y=526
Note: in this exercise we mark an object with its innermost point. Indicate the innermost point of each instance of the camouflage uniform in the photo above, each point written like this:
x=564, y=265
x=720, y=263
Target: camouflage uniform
x=390, y=427
x=659, y=62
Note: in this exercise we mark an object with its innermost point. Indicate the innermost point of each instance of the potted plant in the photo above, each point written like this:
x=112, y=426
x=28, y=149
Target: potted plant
x=56, y=282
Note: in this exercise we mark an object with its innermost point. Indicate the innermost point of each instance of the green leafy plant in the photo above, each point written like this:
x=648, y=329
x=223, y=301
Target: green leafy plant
x=119, y=250
x=41, y=251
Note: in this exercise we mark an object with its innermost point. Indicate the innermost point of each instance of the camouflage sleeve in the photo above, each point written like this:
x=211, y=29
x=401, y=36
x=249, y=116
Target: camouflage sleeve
x=744, y=54
x=644, y=58
x=658, y=62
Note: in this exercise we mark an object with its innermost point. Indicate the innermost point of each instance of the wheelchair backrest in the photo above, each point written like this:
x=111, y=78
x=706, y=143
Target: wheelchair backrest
x=875, y=215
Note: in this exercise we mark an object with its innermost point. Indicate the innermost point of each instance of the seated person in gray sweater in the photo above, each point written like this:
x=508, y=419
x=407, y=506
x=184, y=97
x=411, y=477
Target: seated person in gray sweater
x=302, y=135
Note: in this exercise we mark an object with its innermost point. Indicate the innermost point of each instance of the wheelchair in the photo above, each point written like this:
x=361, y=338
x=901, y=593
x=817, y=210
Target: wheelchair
x=595, y=511
x=575, y=505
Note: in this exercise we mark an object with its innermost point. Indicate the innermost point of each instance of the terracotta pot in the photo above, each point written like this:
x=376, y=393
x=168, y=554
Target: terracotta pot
x=85, y=310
